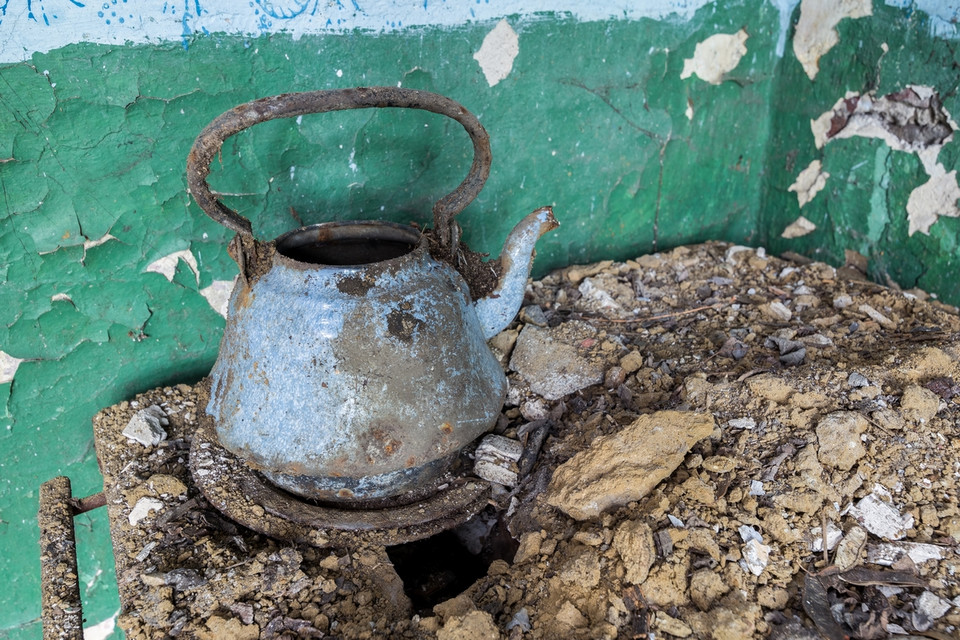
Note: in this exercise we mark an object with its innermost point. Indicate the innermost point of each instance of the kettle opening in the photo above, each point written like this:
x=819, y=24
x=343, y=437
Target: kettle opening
x=348, y=243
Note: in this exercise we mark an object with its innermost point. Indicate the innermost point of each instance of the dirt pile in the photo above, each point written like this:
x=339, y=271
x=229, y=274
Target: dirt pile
x=717, y=444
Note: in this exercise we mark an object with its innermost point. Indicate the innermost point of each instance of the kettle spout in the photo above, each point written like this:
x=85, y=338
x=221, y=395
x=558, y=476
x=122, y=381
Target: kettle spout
x=498, y=309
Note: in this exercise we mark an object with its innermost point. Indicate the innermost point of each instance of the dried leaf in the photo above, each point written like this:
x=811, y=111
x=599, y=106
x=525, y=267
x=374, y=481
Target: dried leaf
x=816, y=602
x=862, y=576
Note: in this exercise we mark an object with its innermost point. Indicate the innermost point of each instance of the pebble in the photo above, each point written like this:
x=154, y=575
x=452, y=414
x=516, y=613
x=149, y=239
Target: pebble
x=919, y=404
x=625, y=466
x=756, y=556
x=881, y=518
x=553, y=368
x=929, y=607
x=875, y=315
x=147, y=426
x=856, y=380
x=633, y=540
x=838, y=435
x=142, y=509
x=672, y=626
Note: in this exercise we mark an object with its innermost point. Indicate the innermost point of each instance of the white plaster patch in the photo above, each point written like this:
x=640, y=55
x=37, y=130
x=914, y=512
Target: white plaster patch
x=167, y=265
x=798, y=228
x=816, y=31
x=497, y=53
x=27, y=28
x=8, y=367
x=716, y=56
x=103, y=629
x=218, y=295
x=808, y=184
x=937, y=197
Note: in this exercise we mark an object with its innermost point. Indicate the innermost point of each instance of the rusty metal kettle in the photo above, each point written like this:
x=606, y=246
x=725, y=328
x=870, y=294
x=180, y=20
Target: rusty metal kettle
x=354, y=364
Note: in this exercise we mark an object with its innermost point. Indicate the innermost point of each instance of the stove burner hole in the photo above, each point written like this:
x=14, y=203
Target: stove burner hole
x=443, y=566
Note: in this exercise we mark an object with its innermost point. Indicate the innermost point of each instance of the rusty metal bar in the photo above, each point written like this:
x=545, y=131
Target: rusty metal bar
x=61, y=610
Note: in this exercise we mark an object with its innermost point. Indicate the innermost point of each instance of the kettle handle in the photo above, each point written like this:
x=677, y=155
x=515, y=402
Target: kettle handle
x=289, y=105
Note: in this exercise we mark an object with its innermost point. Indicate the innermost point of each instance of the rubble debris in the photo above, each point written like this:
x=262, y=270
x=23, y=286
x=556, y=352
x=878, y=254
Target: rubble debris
x=146, y=426
x=625, y=466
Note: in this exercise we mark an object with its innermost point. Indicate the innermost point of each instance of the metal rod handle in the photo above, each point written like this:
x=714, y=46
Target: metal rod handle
x=208, y=144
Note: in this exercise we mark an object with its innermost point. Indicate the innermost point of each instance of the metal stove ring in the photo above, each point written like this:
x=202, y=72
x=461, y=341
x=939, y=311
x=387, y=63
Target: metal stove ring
x=247, y=498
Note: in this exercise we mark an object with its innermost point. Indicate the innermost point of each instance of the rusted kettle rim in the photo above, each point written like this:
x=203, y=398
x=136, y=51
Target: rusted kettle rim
x=347, y=244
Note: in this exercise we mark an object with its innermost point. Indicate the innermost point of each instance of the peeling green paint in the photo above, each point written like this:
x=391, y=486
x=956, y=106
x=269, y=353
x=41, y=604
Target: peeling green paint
x=593, y=118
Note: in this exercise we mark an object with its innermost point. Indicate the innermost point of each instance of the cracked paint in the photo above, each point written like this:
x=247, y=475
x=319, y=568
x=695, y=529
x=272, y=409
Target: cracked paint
x=218, y=295
x=167, y=265
x=809, y=183
x=798, y=228
x=816, y=32
x=716, y=56
x=497, y=52
x=912, y=120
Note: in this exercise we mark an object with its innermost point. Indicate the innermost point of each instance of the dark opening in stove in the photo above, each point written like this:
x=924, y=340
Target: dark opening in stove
x=443, y=566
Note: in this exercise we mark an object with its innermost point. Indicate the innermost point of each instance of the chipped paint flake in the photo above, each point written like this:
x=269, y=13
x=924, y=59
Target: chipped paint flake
x=497, y=52
x=911, y=120
x=937, y=197
x=808, y=184
x=798, y=228
x=61, y=297
x=716, y=56
x=816, y=30
x=167, y=265
x=89, y=244
x=8, y=367
x=218, y=295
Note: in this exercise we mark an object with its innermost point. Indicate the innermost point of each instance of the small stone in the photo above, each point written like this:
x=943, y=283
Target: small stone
x=929, y=607
x=776, y=311
x=496, y=460
x=919, y=404
x=529, y=548
x=476, y=625
x=520, y=619
x=552, y=367
x=838, y=435
x=881, y=518
x=502, y=344
x=578, y=272
x=632, y=362
x=147, y=426
x=756, y=556
x=570, y=617
x=850, y=549
x=742, y=423
x=670, y=625
x=142, y=509
x=842, y=302
x=719, y=464
x=856, y=380
x=624, y=466
x=633, y=540
x=533, y=314
x=706, y=587
x=878, y=317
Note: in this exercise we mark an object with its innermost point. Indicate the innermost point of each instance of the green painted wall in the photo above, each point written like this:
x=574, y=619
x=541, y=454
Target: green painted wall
x=863, y=206
x=593, y=119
